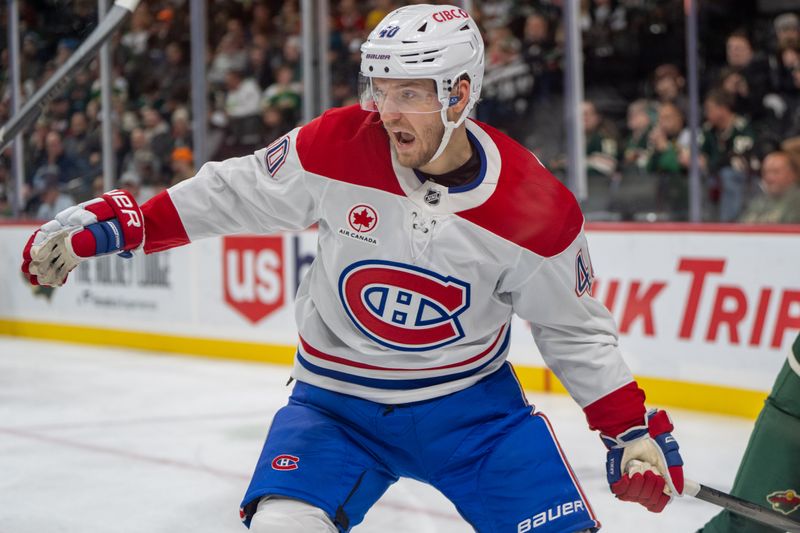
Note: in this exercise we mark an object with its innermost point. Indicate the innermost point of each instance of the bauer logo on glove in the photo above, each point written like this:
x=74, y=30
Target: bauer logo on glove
x=110, y=224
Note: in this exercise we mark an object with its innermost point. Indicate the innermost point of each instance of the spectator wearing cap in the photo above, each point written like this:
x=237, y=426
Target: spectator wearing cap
x=785, y=55
x=64, y=49
x=787, y=31
x=727, y=147
x=182, y=164
x=51, y=198
x=779, y=202
x=131, y=182
x=163, y=32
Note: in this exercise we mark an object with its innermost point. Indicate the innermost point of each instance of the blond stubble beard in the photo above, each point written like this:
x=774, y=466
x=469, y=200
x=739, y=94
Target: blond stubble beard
x=412, y=161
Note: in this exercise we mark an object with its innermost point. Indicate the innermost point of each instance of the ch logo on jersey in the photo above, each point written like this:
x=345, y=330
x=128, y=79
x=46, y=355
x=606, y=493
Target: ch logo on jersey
x=276, y=154
x=285, y=462
x=403, y=307
x=584, y=275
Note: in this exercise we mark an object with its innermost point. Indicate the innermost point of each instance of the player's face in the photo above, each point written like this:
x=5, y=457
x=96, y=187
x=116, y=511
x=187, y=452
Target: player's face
x=414, y=136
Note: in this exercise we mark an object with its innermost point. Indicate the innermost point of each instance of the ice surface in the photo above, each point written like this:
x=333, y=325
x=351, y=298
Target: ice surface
x=107, y=440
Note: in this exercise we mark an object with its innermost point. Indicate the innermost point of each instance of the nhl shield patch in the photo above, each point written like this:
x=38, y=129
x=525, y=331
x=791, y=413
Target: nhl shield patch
x=276, y=154
x=433, y=197
x=584, y=275
x=784, y=501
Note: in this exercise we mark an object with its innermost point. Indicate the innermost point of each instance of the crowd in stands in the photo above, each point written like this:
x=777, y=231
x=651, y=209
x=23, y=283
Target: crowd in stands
x=635, y=112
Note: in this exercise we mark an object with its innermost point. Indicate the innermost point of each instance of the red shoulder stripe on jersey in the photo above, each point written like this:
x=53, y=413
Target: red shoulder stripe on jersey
x=163, y=228
x=350, y=145
x=617, y=411
x=529, y=207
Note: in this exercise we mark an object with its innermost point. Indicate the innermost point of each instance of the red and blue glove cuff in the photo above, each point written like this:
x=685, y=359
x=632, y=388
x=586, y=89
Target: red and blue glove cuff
x=658, y=428
x=120, y=226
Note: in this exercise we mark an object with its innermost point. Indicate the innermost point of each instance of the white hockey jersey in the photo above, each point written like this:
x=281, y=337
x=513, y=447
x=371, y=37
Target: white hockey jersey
x=414, y=284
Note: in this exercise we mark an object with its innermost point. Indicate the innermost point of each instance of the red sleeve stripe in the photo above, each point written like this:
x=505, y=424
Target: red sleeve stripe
x=163, y=226
x=617, y=411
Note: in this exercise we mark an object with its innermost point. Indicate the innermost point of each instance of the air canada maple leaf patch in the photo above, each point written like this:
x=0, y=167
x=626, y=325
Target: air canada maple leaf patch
x=362, y=219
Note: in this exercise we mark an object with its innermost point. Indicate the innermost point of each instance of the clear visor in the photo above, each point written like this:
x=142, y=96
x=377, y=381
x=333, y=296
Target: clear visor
x=387, y=95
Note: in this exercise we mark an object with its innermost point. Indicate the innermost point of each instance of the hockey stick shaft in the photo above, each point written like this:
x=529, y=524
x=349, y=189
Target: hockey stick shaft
x=117, y=15
x=742, y=507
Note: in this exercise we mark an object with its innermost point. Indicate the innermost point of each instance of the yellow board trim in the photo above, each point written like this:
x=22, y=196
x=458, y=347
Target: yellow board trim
x=217, y=348
x=663, y=392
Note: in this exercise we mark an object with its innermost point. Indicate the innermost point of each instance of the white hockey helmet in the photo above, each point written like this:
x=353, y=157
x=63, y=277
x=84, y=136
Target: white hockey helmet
x=440, y=43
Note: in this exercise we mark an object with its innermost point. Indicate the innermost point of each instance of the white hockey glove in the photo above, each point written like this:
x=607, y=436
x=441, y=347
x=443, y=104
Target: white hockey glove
x=643, y=463
x=112, y=223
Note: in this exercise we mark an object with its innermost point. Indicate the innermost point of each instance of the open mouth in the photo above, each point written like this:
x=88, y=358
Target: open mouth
x=403, y=139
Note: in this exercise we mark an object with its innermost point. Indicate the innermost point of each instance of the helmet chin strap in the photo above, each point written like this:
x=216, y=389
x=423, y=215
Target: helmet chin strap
x=449, y=126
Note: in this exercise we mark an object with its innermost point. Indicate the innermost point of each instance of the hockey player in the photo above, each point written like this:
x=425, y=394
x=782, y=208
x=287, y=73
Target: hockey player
x=433, y=230
x=769, y=472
